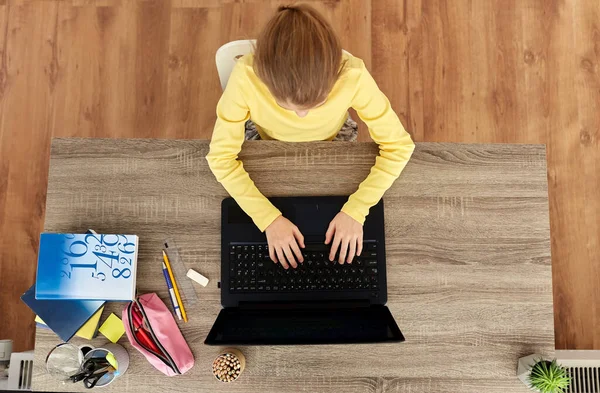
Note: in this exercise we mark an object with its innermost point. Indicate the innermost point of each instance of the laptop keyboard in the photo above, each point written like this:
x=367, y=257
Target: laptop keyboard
x=252, y=271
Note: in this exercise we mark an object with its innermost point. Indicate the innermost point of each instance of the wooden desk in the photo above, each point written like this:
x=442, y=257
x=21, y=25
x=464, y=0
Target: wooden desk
x=468, y=253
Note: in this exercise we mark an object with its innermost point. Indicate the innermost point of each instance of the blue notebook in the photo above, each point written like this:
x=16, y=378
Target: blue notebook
x=64, y=317
x=86, y=267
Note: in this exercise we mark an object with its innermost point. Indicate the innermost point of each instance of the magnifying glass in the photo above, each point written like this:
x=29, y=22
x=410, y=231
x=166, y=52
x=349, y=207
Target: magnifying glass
x=64, y=361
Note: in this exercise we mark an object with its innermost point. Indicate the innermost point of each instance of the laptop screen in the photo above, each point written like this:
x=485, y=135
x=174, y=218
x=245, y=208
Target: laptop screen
x=238, y=326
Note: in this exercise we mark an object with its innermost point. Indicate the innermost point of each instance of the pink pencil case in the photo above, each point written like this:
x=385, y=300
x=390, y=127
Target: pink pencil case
x=168, y=351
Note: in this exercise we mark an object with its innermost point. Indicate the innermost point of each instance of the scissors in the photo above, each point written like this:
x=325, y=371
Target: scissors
x=92, y=371
x=91, y=380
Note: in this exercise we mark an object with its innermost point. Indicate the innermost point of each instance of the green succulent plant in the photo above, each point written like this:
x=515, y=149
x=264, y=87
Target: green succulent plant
x=549, y=377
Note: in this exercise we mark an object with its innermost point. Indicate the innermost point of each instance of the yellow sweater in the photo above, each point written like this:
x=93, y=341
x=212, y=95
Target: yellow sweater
x=247, y=97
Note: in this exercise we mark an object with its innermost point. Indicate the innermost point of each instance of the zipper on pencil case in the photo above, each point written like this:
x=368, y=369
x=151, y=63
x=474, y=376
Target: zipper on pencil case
x=160, y=346
x=132, y=326
x=166, y=360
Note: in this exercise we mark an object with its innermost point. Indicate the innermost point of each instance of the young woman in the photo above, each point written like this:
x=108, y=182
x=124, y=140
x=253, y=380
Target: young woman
x=297, y=87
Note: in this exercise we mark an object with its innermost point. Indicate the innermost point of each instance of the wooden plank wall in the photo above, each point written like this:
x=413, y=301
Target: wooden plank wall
x=518, y=71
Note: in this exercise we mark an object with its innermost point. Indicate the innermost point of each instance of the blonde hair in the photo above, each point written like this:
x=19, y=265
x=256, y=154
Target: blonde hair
x=298, y=56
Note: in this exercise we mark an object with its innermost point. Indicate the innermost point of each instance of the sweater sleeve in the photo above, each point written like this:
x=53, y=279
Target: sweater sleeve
x=226, y=143
x=395, y=146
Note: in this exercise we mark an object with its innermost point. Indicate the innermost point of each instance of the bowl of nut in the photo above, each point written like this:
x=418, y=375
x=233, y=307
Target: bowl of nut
x=229, y=365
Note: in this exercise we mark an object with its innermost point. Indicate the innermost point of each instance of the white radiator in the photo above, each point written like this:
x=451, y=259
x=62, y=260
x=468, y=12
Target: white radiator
x=20, y=371
x=583, y=367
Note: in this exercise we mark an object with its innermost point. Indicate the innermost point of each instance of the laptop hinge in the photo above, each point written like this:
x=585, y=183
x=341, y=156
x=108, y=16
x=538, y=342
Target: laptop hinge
x=304, y=305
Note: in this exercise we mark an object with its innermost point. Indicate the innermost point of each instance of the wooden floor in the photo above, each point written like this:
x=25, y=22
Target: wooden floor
x=522, y=71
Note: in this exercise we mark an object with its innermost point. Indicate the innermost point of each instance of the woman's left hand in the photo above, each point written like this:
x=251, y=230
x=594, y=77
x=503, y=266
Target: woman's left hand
x=347, y=235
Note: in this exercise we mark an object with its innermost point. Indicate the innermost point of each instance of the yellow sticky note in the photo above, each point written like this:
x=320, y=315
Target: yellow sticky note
x=112, y=328
x=89, y=329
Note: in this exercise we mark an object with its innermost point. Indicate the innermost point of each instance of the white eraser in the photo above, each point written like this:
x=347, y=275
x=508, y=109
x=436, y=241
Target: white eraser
x=199, y=278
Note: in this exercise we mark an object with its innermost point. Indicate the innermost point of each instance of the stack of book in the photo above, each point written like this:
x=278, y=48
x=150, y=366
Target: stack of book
x=76, y=275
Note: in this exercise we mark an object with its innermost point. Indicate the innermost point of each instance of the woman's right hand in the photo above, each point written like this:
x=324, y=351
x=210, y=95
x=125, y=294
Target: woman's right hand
x=285, y=241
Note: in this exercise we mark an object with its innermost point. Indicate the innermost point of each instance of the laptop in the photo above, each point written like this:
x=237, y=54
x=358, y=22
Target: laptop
x=319, y=302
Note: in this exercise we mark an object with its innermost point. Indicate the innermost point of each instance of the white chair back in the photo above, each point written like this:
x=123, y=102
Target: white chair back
x=228, y=54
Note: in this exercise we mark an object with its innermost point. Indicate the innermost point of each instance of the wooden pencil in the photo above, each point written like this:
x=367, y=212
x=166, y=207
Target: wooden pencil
x=175, y=288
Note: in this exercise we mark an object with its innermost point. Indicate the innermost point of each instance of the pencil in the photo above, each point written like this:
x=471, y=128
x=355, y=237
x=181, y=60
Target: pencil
x=171, y=292
x=166, y=259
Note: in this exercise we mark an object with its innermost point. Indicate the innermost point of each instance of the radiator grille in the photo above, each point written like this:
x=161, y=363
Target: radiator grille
x=584, y=379
x=583, y=366
x=25, y=375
